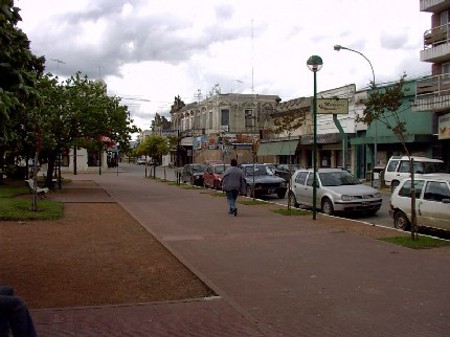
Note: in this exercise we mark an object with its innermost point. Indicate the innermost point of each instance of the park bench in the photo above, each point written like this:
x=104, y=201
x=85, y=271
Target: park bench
x=40, y=191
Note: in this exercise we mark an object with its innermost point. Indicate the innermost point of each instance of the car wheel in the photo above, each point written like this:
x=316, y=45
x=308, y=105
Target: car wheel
x=401, y=221
x=281, y=194
x=327, y=206
x=292, y=199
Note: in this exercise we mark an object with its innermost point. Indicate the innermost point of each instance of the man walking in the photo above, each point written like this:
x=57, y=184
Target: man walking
x=233, y=183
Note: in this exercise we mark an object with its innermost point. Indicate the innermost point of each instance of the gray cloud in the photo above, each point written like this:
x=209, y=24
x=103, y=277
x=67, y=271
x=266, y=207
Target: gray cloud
x=391, y=41
x=166, y=37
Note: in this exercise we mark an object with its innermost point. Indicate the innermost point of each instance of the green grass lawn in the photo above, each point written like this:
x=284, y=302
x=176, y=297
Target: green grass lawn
x=423, y=242
x=292, y=211
x=13, y=208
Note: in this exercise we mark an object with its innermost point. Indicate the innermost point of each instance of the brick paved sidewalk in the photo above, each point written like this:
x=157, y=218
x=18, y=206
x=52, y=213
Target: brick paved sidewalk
x=275, y=275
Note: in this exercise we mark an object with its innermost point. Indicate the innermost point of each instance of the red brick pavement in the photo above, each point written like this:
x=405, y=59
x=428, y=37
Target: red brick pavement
x=276, y=276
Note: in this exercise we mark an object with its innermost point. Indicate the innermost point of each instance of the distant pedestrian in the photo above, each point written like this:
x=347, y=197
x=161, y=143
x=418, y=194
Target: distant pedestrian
x=14, y=315
x=233, y=183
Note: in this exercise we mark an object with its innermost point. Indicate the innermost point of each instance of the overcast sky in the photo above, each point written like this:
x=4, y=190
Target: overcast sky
x=149, y=51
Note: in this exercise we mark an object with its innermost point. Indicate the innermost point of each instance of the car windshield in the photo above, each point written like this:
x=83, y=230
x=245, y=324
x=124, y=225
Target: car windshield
x=197, y=168
x=260, y=170
x=337, y=179
x=220, y=169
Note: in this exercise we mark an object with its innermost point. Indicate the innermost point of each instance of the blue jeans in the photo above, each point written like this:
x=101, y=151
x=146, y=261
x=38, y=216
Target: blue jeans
x=231, y=199
x=14, y=315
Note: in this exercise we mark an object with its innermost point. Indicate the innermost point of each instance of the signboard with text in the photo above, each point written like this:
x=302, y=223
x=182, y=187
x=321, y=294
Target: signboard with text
x=332, y=106
x=444, y=127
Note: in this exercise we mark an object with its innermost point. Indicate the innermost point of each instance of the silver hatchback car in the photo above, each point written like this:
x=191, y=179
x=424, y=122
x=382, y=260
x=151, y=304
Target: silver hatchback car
x=337, y=191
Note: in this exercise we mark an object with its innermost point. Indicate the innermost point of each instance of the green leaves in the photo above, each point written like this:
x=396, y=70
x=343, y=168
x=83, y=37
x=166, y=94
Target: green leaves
x=154, y=146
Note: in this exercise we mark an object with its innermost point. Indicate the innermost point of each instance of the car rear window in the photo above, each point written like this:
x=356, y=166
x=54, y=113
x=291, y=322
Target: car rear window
x=405, y=190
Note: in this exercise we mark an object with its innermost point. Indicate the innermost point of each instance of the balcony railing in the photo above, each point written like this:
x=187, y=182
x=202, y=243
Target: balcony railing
x=436, y=36
x=433, y=86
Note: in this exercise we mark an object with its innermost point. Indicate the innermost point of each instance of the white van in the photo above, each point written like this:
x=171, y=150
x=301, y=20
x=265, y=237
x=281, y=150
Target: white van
x=397, y=168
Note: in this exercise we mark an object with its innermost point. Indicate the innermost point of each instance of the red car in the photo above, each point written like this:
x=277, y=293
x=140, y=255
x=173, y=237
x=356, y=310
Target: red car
x=212, y=177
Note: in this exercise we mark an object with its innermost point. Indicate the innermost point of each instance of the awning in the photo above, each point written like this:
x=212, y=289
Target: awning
x=269, y=149
x=288, y=147
x=277, y=148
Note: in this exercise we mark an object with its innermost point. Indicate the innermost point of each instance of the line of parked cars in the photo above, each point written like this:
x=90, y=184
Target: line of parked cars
x=339, y=191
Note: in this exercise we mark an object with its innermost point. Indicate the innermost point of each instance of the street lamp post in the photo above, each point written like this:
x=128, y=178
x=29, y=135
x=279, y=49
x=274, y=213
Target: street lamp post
x=375, y=140
x=314, y=64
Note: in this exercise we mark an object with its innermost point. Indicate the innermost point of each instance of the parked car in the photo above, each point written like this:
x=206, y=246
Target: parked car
x=397, y=168
x=193, y=173
x=142, y=161
x=432, y=202
x=261, y=182
x=212, y=177
x=282, y=170
x=337, y=191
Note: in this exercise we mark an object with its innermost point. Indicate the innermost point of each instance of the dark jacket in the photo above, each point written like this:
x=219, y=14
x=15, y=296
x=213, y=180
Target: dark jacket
x=233, y=180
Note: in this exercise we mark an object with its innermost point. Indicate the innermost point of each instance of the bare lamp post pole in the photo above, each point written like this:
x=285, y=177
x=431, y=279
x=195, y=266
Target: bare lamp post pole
x=314, y=64
x=375, y=141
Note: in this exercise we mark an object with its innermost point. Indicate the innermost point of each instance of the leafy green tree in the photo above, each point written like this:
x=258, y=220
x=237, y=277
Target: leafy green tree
x=19, y=70
x=79, y=113
x=154, y=147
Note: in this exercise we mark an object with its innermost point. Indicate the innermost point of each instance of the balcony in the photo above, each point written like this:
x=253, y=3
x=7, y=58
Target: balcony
x=436, y=44
x=433, y=6
x=432, y=93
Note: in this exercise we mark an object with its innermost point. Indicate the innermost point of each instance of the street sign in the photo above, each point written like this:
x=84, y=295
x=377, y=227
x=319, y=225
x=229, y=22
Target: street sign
x=332, y=106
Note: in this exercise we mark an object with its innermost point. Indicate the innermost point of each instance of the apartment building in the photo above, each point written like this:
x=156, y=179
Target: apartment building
x=222, y=126
x=433, y=92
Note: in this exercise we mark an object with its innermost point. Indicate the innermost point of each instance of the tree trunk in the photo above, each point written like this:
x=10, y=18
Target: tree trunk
x=52, y=155
x=414, y=229
x=2, y=164
x=35, y=174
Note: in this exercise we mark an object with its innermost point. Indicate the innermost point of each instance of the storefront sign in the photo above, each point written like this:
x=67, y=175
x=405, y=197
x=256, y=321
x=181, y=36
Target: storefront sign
x=444, y=127
x=332, y=106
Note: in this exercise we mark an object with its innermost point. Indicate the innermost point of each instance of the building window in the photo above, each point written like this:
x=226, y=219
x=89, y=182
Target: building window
x=196, y=121
x=210, y=120
x=203, y=124
x=249, y=118
x=225, y=117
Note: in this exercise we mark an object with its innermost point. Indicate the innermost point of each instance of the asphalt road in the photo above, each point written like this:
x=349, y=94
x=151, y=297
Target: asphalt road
x=382, y=217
